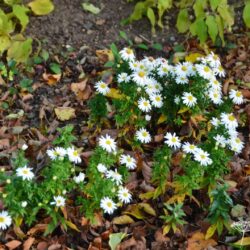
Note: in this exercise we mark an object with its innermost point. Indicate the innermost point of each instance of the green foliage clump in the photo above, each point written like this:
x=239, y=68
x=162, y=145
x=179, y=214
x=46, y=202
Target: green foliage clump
x=212, y=18
x=14, y=19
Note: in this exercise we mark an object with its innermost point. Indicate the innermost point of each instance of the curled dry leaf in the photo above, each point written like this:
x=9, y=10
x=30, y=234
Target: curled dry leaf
x=124, y=219
x=198, y=242
x=51, y=79
x=13, y=244
x=65, y=113
x=82, y=90
x=4, y=144
x=28, y=243
x=104, y=55
x=146, y=171
x=43, y=245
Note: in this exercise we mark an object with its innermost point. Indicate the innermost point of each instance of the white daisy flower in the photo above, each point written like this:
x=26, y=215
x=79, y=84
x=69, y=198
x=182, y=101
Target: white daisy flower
x=164, y=70
x=182, y=70
x=127, y=54
x=147, y=117
x=128, y=161
x=172, y=140
x=152, y=87
x=114, y=176
x=143, y=135
x=134, y=65
x=149, y=63
x=140, y=77
x=5, y=220
x=202, y=157
x=123, y=77
x=215, y=122
x=24, y=147
x=215, y=84
x=213, y=60
x=181, y=80
x=124, y=195
x=189, y=99
x=73, y=155
x=220, y=140
x=219, y=71
x=215, y=96
x=144, y=104
x=188, y=147
x=232, y=132
x=236, y=144
x=108, y=205
x=102, y=168
x=177, y=100
x=79, y=178
x=57, y=153
x=107, y=143
x=24, y=203
x=236, y=96
x=59, y=201
x=102, y=87
x=229, y=121
x=156, y=100
x=204, y=71
x=25, y=173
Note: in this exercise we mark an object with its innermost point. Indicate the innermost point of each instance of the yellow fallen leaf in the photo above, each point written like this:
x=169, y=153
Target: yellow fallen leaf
x=243, y=242
x=105, y=55
x=193, y=57
x=161, y=119
x=115, y=94
x=65, y=113
x=124, y=219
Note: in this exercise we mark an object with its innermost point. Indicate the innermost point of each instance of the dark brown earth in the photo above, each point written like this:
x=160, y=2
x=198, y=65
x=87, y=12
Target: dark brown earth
x=69, y=24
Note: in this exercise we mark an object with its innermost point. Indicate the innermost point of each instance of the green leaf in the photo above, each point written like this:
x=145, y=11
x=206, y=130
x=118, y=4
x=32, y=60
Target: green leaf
x=214, y=4
x=139, y=10
x=151, y=17
x=212, y=27
x=183, y=22
x=20, y=50
x=123, y=35
x=246, y=14
x=20, y=12
x=55, y=68
x=199, y=28
x=199, y=7
x=210, y=231
x=220, y=25
x=41, y=7
x=12, y=2
x=6, y=25
x=142, y=46
x=109, y=64
x=243, y=242
x=116, y=239
x=226, y=14
x=4, y=43
x=45, y=55
x=91, y=8
x=157, y=46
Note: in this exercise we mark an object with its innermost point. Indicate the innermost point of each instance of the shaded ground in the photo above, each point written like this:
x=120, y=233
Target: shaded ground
x=70, y=24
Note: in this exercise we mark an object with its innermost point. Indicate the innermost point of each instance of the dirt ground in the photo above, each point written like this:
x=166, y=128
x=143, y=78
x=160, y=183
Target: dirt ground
x=69, y=24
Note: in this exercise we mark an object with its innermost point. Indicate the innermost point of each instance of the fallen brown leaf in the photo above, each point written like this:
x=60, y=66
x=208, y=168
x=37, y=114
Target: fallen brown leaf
x=28, y=243
x=51, y=79
x=13, y=244
x=198, y=242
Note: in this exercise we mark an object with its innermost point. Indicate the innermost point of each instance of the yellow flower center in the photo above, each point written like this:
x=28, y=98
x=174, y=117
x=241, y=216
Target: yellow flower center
x=215, y=57
x=125, y=194
x=144, y=134
x=206, y=69
x=129, y=159
x=215, y=95
x=231, y=118
x=157, y=86
x=165, y=69
x=109, y=204
x=141, y=74
x=238, y=94
x=108, y=142
x=216, y=82
x=184, y=68
x=190, y=98
x=75, y=153
x=237, y=140
x=220, y=68
x=174, y=139
x=103, y=85
x=145, y=104
x=157, y=98
x=192, y=147
x=2, y=220
x=203, y=157
x=25, y=171
x=129, y=51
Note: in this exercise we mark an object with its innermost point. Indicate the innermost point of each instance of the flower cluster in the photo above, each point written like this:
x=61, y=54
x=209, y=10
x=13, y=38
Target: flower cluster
x=108, y=144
